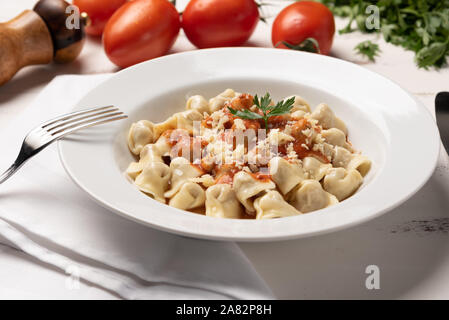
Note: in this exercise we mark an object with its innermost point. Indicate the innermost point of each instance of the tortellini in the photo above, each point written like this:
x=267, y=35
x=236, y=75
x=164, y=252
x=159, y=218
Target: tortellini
x=247, y=187
x=361, y=163
x=140, y=134
x=182, y=170
x=181, y=120
x=315, y=168
x=272, y=205
x=163, y=145
x=221, y=202
x=342, y=183
x=218, y=102
x=150, y=153
x=341, y=157
x=327, y=118
x=302, y=161
x=134, y=169
x=154, y=180
x=198, y=103
x=335, y=137
x=299, y=104
x=310, y=196
x=345, y=159
x=190, y=196
x=286, y=175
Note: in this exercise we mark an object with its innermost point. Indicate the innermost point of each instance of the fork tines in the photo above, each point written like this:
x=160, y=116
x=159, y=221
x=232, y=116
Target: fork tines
x=75, y=121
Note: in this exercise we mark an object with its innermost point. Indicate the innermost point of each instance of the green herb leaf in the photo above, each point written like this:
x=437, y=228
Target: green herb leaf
x=282, y=107
x=368, y=49
x=387, y=31
x=431, y=55
x=264, y=103
x=268, y=109
x=245, y=114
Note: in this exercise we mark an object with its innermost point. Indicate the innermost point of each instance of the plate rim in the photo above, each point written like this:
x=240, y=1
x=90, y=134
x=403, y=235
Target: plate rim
x=252, y=238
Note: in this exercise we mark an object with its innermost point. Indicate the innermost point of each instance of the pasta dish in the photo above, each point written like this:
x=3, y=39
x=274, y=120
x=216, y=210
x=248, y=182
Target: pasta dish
x=244, y=157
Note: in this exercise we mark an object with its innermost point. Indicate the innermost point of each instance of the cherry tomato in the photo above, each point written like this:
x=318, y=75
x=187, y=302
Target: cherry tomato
x=99, y=12
x=219, y=23
x=302, y=20
x=141, y=30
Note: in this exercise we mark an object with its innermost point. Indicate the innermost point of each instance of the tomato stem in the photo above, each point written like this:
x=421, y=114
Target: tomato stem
x=309, y=45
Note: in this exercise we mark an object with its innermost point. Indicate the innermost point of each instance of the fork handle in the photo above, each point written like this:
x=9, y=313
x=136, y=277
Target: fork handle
x=8, y=173
x=23, y=156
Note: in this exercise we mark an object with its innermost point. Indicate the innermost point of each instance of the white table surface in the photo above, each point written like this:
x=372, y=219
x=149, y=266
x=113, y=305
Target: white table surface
x=410, y=245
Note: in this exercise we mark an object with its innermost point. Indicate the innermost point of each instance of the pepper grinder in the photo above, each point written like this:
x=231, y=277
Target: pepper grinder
x=39, y=36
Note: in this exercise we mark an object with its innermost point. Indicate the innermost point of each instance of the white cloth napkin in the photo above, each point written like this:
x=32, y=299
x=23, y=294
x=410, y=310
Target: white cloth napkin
x=44, y=214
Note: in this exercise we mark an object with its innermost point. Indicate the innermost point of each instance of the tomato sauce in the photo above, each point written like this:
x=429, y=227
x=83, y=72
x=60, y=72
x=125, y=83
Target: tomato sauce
x=278, y=122
x=199, y=167
x=207, y=122
x=174, y=136
x=225, y=173
x=300, y=145
x=243, y=101
x=181, y=142
x=263, y=177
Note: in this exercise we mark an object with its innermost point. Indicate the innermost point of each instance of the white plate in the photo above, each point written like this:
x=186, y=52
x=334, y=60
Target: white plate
x=392, y=128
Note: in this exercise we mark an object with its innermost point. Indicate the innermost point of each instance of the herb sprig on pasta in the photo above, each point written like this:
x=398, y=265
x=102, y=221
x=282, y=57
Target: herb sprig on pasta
x=268, y=110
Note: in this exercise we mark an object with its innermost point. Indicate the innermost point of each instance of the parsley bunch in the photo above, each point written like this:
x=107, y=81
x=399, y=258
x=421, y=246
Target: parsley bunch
x=268, y=110
x=418, y=25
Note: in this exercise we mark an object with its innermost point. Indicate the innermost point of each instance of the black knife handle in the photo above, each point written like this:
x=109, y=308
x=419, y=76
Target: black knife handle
x=442, y=115
x=442, y=101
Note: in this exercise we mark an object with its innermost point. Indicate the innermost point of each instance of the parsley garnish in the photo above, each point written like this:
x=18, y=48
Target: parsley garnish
x=368, y=49
x=421, y=26
x=268, y=110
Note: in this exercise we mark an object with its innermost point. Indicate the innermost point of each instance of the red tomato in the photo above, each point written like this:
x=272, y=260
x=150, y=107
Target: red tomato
x=219, y=23
x=99, y=12
x=302, y=20
x=141, y=30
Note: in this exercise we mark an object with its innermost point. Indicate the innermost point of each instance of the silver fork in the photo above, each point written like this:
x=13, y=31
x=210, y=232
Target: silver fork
x=55, y=129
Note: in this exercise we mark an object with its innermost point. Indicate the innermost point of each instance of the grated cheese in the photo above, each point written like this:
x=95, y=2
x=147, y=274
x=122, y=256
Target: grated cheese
x=277, y=137
x=239, y=124
x=206, y=180
x=291, y=153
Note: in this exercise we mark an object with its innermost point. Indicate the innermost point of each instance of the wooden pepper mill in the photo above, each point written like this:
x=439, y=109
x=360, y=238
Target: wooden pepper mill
x=39, y=36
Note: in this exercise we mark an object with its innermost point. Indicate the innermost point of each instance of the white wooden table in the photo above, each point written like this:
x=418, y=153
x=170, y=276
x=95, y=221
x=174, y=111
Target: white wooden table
x=410, y=245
